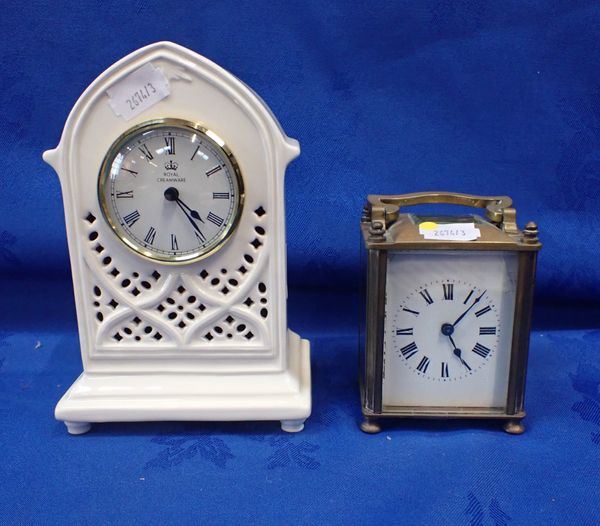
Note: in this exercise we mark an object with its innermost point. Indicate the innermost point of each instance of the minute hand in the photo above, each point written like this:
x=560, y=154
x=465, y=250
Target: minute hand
x=472, y=305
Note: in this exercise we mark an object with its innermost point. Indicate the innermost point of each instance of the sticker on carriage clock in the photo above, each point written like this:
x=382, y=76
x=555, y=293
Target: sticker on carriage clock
x=449, y=231
x=138, y=91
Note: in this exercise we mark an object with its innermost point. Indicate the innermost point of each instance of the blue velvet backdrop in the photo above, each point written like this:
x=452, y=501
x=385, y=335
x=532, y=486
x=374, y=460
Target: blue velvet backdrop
x=384, y=97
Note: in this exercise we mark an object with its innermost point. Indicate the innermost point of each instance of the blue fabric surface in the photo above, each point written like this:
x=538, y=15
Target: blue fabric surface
x=388, y=97
x=468, y=473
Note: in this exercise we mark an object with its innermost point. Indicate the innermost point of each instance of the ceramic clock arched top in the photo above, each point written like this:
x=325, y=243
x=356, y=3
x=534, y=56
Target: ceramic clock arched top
x=197, y=86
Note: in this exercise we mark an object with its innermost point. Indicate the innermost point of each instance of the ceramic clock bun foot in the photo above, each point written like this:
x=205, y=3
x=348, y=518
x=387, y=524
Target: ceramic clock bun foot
x=514, y=427
x=370, y=425
x=292, y=426
x=78, y=428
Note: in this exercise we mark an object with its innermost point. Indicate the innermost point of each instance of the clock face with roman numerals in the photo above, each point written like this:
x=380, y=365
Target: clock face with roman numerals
x=171, y=190
x=448, y=328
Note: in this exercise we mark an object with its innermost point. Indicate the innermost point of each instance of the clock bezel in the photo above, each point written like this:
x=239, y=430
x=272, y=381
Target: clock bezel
x=122, y=235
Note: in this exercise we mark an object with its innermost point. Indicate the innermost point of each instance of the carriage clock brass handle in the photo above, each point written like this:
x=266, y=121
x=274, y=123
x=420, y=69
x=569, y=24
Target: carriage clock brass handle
x=385, y=208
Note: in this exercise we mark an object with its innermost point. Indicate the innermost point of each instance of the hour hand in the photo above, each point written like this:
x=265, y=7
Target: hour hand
x=458, y=353
x=190, y=219
x=172, y=194
x=193, y=213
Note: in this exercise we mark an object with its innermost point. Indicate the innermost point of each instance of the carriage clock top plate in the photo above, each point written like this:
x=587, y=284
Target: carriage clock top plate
x=172, y=176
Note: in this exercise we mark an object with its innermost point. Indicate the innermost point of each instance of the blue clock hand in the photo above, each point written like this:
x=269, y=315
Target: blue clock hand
x=473, y=305
x=447, y=330
x=458, y=353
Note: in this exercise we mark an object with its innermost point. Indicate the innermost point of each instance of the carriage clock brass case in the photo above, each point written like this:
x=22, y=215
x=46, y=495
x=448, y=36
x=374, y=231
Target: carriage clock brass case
x=385, y=231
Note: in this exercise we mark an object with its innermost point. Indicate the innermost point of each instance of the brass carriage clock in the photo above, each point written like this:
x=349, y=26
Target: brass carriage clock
x=449, y=301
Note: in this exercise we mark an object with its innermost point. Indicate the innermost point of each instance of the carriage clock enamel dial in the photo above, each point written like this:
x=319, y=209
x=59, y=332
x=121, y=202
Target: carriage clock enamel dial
x=172, y=178
x=449, y=309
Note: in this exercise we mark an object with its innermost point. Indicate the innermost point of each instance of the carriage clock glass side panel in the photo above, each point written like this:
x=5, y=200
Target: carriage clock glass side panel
x=171, y=190
x=449, y=301
x=172, y=174
x=448, y=329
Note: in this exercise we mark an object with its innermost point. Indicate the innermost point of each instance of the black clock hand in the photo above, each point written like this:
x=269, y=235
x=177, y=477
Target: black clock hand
x=191, y=220
x=473, y=305
x=172, y=194
x=193, y=213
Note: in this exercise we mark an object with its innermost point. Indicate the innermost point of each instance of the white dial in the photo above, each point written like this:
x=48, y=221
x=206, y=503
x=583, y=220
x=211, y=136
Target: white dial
x=448, y=328
x=171, y=190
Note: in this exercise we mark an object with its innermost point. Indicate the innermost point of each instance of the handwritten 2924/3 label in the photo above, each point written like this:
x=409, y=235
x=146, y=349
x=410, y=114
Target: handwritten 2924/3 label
x=449, y=231
x=138, y=91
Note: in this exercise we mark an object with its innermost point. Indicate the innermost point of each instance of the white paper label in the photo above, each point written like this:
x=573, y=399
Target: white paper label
x=449, y=231
x=138, y=91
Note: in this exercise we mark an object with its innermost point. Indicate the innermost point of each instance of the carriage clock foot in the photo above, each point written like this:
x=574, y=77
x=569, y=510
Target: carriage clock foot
x=78, y=428
x=292, y=426
x=514, y=427
x=370, y=425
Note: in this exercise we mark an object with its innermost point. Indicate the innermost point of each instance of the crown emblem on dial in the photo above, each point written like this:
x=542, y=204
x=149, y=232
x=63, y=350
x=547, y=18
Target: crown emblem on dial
x=171, y=165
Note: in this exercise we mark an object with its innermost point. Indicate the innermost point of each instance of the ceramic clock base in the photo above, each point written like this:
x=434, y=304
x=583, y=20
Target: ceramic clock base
x=283, y=396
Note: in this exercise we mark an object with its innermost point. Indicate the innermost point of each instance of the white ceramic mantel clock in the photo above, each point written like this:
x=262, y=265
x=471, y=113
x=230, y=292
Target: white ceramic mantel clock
x=172, y=177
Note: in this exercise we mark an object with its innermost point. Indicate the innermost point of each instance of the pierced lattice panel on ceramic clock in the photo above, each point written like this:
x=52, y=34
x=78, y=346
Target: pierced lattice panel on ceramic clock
x=172, y=177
